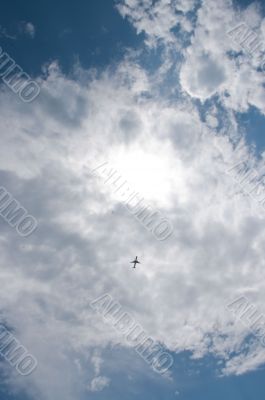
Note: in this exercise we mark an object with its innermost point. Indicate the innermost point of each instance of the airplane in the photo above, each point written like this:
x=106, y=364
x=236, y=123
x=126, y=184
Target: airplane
x=135, y=262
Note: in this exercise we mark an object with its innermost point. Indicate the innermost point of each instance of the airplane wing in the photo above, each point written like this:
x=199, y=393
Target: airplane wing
x=135, y=262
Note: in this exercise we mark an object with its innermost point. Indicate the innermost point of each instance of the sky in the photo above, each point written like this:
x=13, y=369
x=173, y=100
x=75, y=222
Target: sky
x=162, y=99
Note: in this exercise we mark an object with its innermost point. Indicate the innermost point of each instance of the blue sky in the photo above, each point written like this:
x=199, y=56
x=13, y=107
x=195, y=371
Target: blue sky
x=92, y=32
x=159, y=91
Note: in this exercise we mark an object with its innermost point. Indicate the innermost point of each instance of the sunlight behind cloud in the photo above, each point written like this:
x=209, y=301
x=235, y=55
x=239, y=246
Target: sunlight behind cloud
x=154, y=174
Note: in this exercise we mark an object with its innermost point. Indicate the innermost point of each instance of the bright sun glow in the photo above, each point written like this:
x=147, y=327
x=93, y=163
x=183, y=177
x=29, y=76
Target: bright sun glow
x=150, y=174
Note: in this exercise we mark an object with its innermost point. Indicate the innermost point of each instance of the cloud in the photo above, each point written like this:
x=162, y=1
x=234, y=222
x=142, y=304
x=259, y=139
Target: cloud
x=30, y=29
x=209, y=68
x=207, y=80
x=86, y=237
x=157, y=20
x=23, y=28
x=199, y=34
x=27, y=28
x=99, y=383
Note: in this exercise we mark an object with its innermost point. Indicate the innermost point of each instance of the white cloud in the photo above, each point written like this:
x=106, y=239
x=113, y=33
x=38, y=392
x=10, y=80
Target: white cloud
x=99, y=383
x=210, y=70
x=157, y=20
x=86, y=238
x=205, y=79
x=29, y=29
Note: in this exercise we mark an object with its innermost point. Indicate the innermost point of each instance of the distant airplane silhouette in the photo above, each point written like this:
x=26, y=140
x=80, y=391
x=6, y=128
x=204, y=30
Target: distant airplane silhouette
x=135, y=262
